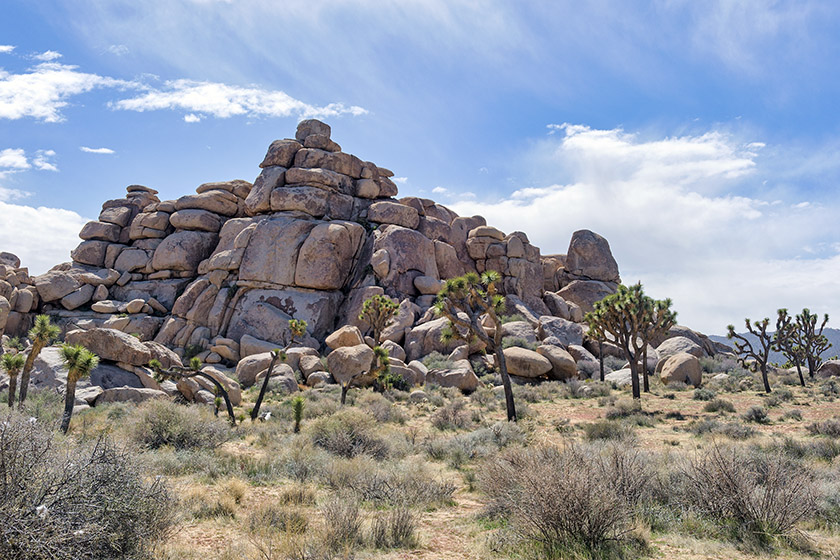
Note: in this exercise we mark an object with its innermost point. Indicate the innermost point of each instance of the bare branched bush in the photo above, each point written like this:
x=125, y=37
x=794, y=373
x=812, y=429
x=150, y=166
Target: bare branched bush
x=159, y=422
x=453, y=416
x=394, y=529
x=759, y=495
x=85, y=502
x=343, y=523
x=566, y=497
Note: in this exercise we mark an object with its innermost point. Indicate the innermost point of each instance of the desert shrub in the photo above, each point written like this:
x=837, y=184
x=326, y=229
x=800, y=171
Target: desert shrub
x=732, y=430
x=274, y=517
x=513, y=317
x=436, y=360
x=380, y=408
x=297, y=495
x=611, y=364
x=586, y=507
x=780, y=395
x=719, y=405
x=481, y=443
x=394, y=529
x=608, y=430
x=830, y=388
x=623, y=408
x=343, y=523
x=514, y=341
x=159, y=422
x=403, y=483
x=792, y=414
x=703, y=394
x=755, y=495
x=60, y=501
x=674, y=415
x=830, y=428
x=348, y=433
x=452, y=416
x=756, y=414
x=822, y=449
x=581, y=390
x=678, y=386
x=44, y=404
x=202, y=503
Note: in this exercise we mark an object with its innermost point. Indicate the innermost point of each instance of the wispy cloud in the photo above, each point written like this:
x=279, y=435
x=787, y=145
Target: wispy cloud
x=47, y=56
x=96, y=150
x=43, y=91
x=118, y=50
x=15, y=160
x=224, y=101
x=192, y=118
x=41, y=160
x=5, y=49
x=672, y=213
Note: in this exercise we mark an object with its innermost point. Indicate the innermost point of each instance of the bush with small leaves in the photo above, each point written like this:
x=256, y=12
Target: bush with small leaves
x=703, y=394
x=792, y=414
x=348, y=433
x=719, y=405
x=453, y=416
x=608, y=430
x=158, y=422
x=830, y=428
x=756, y=414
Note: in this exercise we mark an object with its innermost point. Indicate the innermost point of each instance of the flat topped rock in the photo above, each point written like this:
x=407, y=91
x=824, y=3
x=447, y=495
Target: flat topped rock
x=140, y=189
x=309, y=127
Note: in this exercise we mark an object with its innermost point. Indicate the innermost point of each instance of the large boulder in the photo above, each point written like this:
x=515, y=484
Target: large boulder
x=184, y=250
x=5, y=309
x=829, y=368
x=526, y=363
x=111, y=344
x=677, y=345
x=460, y=375
x=563, y=365
x=589, y=257
x=585, y=293
x=682, y=367
x=620, y=378
x=272, y=252
x=351, y=364
x=327, y=255
x=424, y=339
x=410, y=254
x=129, y=394
x=54, y=285
x=519, y=329
x=250, y=367
x=565, y=331
x=387, y=212
x=345, y=336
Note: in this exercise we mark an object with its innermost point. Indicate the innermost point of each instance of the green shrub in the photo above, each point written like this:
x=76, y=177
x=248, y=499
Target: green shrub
x=159, y=422
x=516, y=342
x=830, y=428
x=703, y=394
x=719, y=405
x=436, y=360
x=608, y=430
x=756, y=414
x=452, y=416
x=348, y=433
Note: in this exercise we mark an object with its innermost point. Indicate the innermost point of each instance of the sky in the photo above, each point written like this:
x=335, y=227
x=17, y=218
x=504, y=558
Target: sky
x=702, y=139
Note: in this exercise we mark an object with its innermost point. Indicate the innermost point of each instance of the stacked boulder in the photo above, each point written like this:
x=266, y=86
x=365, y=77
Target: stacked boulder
x=18, y=294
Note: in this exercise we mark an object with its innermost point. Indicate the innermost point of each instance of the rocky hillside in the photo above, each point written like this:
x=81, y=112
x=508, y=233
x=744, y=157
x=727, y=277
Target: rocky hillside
x=220, y=272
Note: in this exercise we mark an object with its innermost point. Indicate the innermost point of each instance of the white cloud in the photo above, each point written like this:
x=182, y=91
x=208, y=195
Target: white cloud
x=13, y=158
x=41, y=160
x=118, y=50
x=6, y=49
x=440, y=190
x=192, y=118
x=674, y=217
x=43, y=90
x=51, y=233
x=47, y=56
x=400, y=180
x=96, y=150
x=224, y=101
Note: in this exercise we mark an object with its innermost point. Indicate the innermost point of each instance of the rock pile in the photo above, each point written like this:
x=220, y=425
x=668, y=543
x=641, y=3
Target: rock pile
x=220, y=272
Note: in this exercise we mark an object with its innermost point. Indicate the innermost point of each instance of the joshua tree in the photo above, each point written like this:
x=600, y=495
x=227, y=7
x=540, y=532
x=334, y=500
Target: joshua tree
x=12, y=364
x=477, y=296
x=754, y=359
x=380, y=366
x=660, y=318
x=42, y=334
x=378, y=311
x=80, y=362
x=812, y=340
x=596, y=330
x=788, y=341
x=297, y=328
x=631, y=319
x=194, y=371
x=297, y=411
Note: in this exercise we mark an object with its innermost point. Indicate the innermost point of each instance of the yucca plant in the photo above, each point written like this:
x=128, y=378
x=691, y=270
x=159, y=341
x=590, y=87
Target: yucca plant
x=42, y=334
x=80, y=362
x=12, y=364
x=297, y=411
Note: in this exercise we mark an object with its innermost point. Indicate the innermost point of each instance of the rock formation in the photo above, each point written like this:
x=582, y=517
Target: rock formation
x=220, y=272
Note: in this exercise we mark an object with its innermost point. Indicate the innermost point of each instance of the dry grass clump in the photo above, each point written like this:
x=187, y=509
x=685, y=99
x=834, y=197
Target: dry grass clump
x=719, y=405
x=349, y=433
x=829, y=428
x=452, y=416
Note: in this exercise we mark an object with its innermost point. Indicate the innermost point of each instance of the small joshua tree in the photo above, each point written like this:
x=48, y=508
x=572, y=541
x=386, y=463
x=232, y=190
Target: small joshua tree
x=596, y=331
x=378, y=311
x=754, y=359
x=788, y=341
x=42, y=334
x=297, y=328
x=80, y=362
x=477, y=296
x=812, y=340
x=12, y=364
x=659, y=318
x=631, y=319
x=297, y=411
x=194, y=371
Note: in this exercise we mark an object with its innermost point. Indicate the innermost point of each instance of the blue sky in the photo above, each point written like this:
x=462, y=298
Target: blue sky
x=701, y=138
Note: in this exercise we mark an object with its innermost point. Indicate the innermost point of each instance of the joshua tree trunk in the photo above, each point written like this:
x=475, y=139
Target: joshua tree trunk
x=12, y=389
x=812, y=367
x=764, y=378
x=645, y=371
x=344, y=388
x=509, y=404
x=69, y=402
x=799, y=371
x=601, y=357
x=27, y=369
x=634, y=372
x=256, y=412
